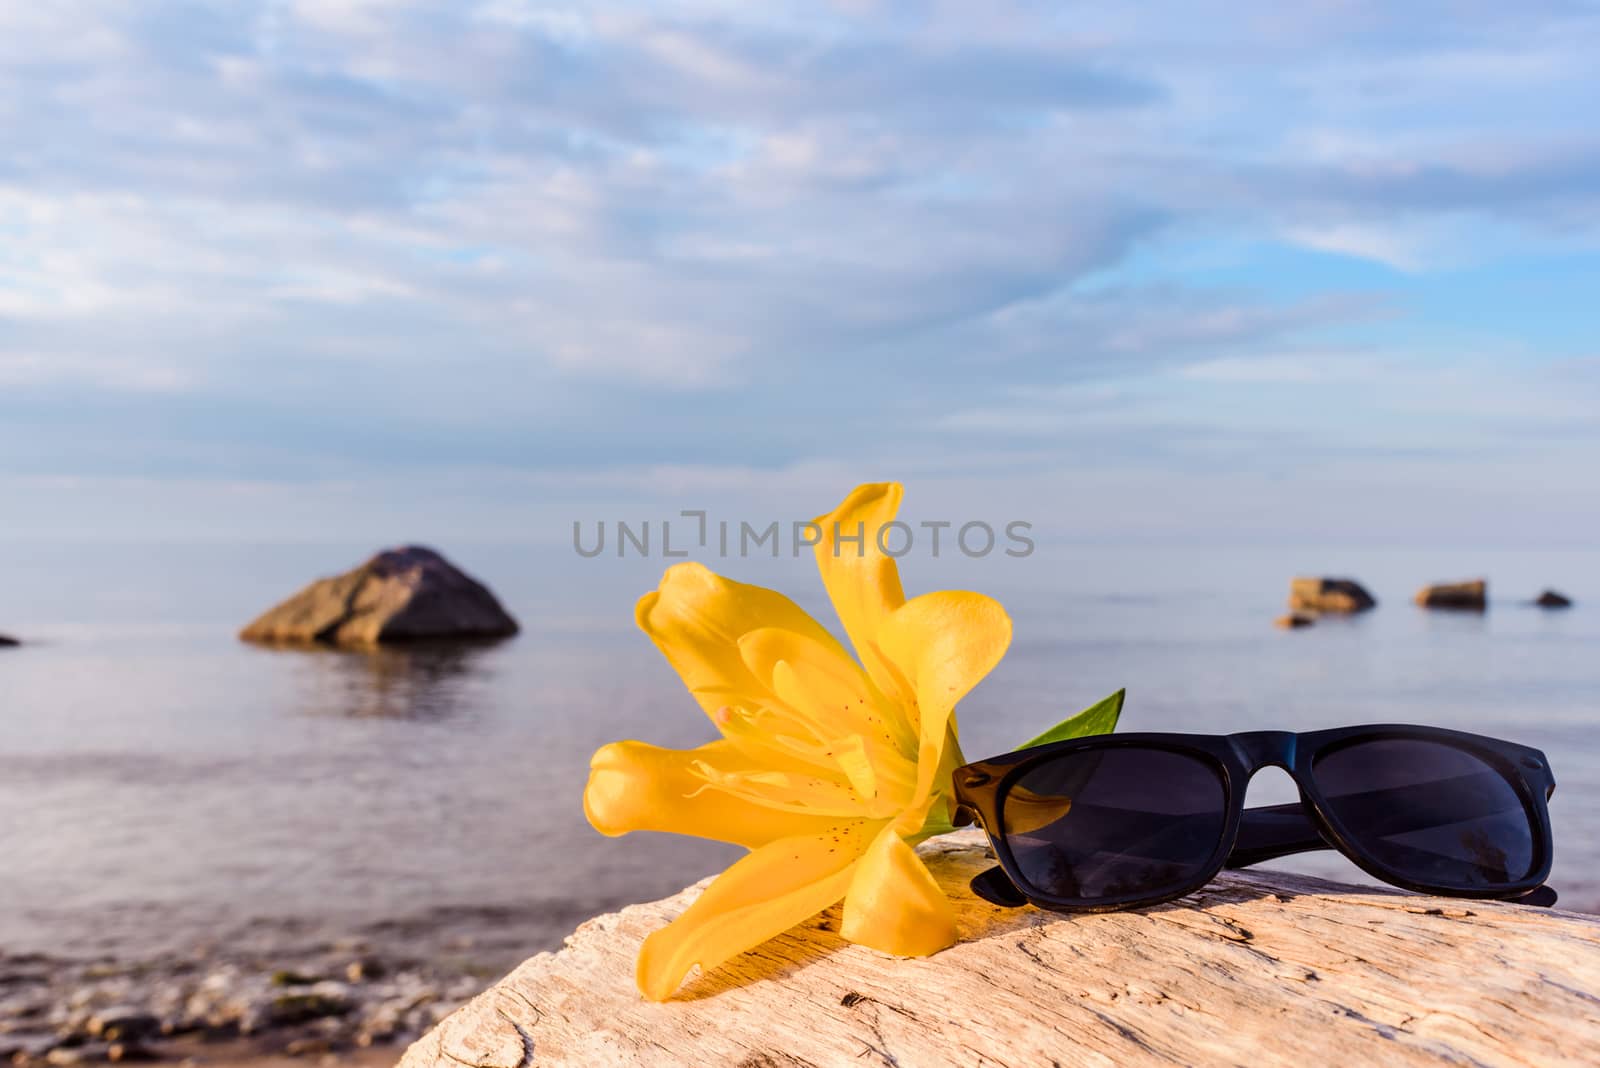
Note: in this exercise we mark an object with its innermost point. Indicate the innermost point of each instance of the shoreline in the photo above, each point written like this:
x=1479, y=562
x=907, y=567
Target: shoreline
x=336, y=1003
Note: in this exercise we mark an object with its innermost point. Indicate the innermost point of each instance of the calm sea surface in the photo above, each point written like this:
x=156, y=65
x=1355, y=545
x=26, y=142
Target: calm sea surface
x=163, y=786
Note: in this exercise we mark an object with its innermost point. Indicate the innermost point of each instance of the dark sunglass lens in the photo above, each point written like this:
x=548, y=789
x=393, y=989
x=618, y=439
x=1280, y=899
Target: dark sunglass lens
x=1439, y=815
x=1116, y=822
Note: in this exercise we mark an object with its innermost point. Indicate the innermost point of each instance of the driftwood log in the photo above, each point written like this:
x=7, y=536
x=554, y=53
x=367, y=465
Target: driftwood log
x=1258, y=968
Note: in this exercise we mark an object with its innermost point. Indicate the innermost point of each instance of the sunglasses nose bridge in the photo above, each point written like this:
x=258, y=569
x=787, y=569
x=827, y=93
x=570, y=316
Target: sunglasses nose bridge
x=1261, y=749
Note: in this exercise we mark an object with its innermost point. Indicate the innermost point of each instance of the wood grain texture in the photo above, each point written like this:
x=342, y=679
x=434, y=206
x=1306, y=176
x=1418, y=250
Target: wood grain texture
x=1258, y=968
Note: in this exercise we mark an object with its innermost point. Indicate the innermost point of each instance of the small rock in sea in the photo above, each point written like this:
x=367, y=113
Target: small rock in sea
x=1294, y=621
x=383, y=1021
x=123, y=1024
x=25, y=1046
x=290, y=977
x=1328, y=595
x=20, y=1007
x=88, y=1053
x=8, y=642
x=1470, y=596
x=326, y=998
x=1552, y=599
x=407, y=594
x=364, y=970
x=129, y=1052
x=217, y=1005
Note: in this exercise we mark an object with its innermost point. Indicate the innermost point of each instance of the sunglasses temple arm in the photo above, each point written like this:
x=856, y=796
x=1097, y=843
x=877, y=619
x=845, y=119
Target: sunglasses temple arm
x=995, y=887
x=1272, y=832
x=1283, y=830
x=1541, y=896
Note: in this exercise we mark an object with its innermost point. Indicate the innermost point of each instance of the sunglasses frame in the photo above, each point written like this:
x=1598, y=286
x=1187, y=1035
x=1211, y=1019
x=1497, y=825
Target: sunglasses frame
x=980, y=790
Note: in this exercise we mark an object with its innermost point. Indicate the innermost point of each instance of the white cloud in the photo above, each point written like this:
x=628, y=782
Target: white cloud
x=521, y=234
x=1389, y=245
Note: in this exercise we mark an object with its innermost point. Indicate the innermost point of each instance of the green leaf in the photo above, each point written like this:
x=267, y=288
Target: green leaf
x=1097, y=719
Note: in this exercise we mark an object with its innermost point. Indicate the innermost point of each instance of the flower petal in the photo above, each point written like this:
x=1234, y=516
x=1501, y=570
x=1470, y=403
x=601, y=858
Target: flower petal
x=761, y=896
x=863, y=582
x=944, y=644
x=634, y=786
x=826, y=687
x=696, y=619
x=788, y=791
x=894, y=904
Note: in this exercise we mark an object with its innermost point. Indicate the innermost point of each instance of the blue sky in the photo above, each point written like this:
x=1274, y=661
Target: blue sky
x=363, y=269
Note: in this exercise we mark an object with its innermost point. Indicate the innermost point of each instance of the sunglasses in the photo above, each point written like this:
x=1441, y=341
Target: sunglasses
x=1125, y=820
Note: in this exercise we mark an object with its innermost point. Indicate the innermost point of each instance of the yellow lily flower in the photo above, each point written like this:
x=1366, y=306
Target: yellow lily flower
x=829, y=769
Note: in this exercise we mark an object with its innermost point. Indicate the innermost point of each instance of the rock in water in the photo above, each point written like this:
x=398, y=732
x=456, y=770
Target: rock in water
x=407, y=594
x=123, y=1024
x=1472, y=596
x=8, y=643
x=1328, y=595
x=1294, y=621
x=1552, y=599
